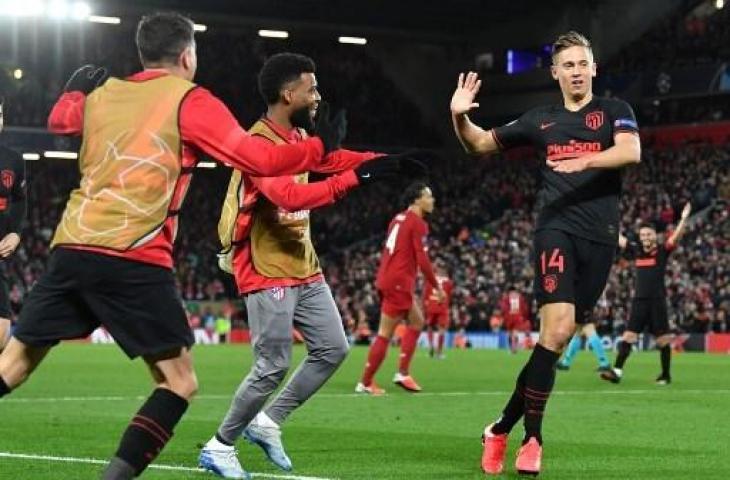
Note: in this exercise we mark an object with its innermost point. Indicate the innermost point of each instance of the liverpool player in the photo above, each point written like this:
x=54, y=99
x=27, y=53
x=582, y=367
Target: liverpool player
x=404, y=253
x=111, y=263
x=586, y=140
x=437, y=311
x=516, y=313
x=12, y=213
x=649, y=307
x=265, y=231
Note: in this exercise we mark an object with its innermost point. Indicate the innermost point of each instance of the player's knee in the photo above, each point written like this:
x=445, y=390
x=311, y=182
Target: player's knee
x=185, y=386
x=629, y=337
x=338, y=353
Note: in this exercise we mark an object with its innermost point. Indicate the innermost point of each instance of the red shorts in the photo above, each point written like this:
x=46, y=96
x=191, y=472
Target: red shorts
x=395, y=303
x=437, y=319
x=521, y=324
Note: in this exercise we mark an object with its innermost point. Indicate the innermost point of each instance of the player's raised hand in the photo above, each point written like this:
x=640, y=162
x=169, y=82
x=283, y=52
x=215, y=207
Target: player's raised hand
x=466, y=91
x=686, y=210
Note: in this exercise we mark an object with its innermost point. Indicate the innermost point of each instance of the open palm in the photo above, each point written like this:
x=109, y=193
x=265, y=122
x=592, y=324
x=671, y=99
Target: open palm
x=466, y=91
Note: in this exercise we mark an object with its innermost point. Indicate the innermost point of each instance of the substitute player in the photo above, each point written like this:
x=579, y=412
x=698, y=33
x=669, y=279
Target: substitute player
x=516, y=313
x=12, y=213
x=111, y=263
x=265, y=231
x=437, y=311
x=405, y=252
x=649, y=307
x=585, y=141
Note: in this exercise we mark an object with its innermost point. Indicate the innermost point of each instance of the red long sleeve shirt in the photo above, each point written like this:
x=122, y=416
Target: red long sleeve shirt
x=287, y=194
x=430, y=300
x=205, y=125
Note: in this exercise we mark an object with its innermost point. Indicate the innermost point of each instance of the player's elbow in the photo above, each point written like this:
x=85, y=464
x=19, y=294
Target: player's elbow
x=633, y=153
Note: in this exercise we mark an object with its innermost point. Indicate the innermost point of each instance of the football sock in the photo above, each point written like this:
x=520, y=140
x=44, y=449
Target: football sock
x=376, y=355
x=571, y=351
x=407, y=348
x=539, y=381
x=430, y=334
x=4, y=389
x=665, y=353
x=441, y=343
x=624, y=350
x=597, y=347
x=222, y=440
x=118, y=469
x=151, y=429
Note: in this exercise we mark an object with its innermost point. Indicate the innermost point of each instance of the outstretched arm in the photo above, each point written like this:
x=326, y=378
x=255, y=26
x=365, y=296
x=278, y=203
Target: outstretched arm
x=284, y=192
x=475, y=139
x=681, y=227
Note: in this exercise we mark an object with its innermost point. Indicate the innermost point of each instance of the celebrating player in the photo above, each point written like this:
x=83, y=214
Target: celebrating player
x=12, y=213
x=437, y=311
x=404, y=253
x=585, y=140
x=265, y=231
x=649, y=307
x=111, y=262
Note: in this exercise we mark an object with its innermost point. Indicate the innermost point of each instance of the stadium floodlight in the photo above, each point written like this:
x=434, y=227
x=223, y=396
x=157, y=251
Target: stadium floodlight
x=103, y=19
x=719, y=4
x=18, y=73
x=26, y=8
x=80, y=11
x=31, y=156
x=60, y=154
x=199, y=27
x=353, y=40
x=206, y=165
x=57, y=9
x=273, y=33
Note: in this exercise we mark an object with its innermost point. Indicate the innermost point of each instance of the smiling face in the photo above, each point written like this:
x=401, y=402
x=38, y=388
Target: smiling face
x=574, y=69
x=302, y=98
x=647, y=237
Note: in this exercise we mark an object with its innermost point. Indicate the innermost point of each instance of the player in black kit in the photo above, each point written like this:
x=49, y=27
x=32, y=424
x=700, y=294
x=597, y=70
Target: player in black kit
x=12, y=213
x=585, y=141
x=649, y=307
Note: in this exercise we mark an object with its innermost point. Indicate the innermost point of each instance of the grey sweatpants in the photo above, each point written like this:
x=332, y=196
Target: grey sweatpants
x=271, y=314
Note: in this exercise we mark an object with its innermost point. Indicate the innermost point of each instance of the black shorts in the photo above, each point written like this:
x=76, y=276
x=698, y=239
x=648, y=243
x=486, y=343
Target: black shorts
x=5, y=310
x=571, y=269
x=136, y=303
x=651, y=314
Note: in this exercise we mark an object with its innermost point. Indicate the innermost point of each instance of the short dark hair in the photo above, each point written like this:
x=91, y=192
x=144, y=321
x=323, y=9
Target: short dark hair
x=280, y=69
x=647, y=225
x=162, y=36
x=413, y=192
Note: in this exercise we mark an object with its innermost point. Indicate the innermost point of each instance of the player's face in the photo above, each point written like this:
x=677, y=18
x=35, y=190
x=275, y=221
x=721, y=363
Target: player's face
x=647, y=237
x=303, y=97
x=574, y=70
x=426, y=201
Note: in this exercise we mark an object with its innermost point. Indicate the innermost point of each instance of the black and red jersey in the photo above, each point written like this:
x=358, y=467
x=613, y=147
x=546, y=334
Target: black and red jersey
x=651, y=267
x=585, y=204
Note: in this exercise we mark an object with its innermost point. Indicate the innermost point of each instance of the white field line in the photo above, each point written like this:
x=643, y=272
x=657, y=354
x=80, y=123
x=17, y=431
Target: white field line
x=599, y=392
x=177, y=468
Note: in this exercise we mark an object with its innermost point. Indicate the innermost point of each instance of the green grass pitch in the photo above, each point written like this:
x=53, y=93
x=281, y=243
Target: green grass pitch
x=82, y=397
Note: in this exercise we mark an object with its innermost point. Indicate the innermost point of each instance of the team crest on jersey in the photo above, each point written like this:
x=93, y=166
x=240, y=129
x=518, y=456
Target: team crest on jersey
x=594, y=120
x=277, y=293
x=550, y=283
x=8, y=178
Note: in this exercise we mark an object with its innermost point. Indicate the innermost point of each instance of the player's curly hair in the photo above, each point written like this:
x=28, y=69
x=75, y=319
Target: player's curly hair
x=280, y=69
x=413, y=192
x=569, y=39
